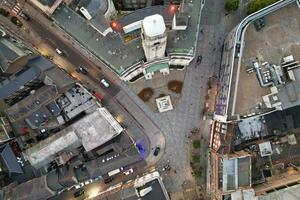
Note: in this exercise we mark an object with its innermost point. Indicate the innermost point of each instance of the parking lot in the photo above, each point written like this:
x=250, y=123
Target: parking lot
x=278, y=38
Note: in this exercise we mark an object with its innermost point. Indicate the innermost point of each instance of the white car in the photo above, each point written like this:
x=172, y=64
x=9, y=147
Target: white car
x=128, y=172
x=79, y=185
x=58, y=51
x=88, y=182
x=105, y=83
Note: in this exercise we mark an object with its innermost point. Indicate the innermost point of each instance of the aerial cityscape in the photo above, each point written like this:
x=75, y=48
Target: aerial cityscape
x=149, y=99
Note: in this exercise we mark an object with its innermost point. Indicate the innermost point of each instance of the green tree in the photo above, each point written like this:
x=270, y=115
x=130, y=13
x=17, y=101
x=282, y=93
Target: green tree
x=255, y=5
x=196, y=144
x=231, y=5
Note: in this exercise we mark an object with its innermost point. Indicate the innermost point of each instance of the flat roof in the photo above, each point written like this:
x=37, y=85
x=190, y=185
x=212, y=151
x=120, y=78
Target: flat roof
x=111, y=49
x=289, y=193
x=96, y=128
x=156, y=192
x=91, y=131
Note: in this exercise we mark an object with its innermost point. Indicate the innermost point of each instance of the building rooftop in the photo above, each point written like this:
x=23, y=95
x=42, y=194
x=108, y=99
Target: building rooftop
x=111, y=49
x=11, y=50
x=118, y=152
x=33, y=189
x=147, y=187
x=10, y=161
x=96, y=128
x=91, y=131
x=236, y=173
x=31, y=71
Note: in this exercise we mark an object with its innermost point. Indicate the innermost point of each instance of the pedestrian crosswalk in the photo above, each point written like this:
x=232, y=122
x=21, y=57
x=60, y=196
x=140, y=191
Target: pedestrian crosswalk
x=17, y=8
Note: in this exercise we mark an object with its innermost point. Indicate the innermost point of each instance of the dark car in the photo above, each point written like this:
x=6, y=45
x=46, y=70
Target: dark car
x=108, y=180
x=81, y=69
x=78, y=193
x=199, y=60
x=42, y=135
x=24, y=16
x=54, y=130
x=156, y=151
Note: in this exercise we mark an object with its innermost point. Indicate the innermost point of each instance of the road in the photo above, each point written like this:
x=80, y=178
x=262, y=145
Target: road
x=74, y=56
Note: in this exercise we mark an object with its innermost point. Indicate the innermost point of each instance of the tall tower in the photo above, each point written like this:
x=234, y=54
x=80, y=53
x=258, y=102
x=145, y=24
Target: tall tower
x=154, y=37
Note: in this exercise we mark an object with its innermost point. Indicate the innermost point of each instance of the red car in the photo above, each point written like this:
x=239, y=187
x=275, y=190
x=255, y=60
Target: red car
x=98, y=96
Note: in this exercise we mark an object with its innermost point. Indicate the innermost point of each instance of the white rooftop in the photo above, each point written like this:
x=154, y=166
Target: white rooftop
x=97, y=128
x=154, y=25
x=91, y=131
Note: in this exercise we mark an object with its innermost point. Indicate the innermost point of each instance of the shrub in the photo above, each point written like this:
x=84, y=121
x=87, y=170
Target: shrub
x=16, y=21
x=196, y=158
x=146, y=94
x=196, y=144
x=231, y=5
x=175, y=86
x=197, y=173
x=4, y=12
x=255, y=5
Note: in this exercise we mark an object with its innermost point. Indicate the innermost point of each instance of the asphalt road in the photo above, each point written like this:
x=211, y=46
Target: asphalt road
x=74, y=56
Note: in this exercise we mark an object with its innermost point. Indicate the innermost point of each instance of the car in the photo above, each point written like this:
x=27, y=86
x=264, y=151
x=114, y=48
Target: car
x=58, y=51
x=98, y=95
x=79, y=185
x=156, y=151
x=199, y=60
x=54, y=130
x=105, y=83
x=81, y=69
x=78, y=193
x=88, y=182
x=108, y=180
x=43, y=135
x=130, y=171
x=24, y=16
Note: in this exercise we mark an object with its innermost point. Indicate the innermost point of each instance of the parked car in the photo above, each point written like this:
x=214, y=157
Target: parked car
x=24, y=16
x=54, y=130
x=81, y=69
x=108, y=180
x=156, y=151
x=105, y=83
x=79, y=193
x=88, y=182
x=130, y=171
x=79, y=185
x=58, y=51
x=199, y=60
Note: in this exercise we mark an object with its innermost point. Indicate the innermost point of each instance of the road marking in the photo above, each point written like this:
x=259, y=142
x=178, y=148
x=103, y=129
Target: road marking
x=17, y=8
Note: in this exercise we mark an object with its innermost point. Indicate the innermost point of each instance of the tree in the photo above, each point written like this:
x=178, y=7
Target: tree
x=196, y=144
x=231, y=5
x=255, y=5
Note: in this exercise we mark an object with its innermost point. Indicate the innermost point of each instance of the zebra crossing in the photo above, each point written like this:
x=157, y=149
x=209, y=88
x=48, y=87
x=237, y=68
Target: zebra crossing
x=17, y=8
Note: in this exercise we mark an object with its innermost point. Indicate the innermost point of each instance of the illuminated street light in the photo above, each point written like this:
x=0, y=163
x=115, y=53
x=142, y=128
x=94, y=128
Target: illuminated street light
x=172, y=9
